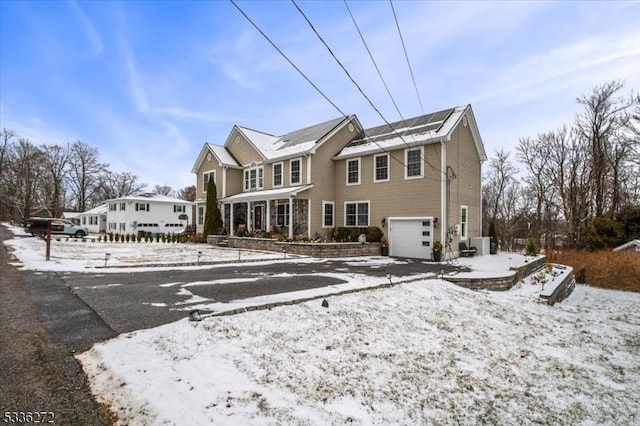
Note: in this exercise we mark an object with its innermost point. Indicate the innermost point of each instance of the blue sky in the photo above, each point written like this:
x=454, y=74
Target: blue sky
x=148, y=83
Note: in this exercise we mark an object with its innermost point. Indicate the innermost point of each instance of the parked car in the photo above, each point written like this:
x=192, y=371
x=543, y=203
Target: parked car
x=40, y=226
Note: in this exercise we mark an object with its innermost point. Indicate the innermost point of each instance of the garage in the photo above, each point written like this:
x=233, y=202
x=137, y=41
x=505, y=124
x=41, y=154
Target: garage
x=410, y=237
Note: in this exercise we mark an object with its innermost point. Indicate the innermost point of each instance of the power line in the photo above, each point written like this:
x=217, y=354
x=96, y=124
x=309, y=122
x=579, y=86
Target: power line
x=287, y=58
x=406, y=56
x=359, y=88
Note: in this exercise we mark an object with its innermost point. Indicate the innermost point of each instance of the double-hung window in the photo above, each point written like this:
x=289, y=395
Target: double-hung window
x=179, y=209
x=464, y=219
x=381, y=168
x=206, y=177
x=254, y=178
x=328, y=209
x=295, y=171
x=282, y=214
x=200, y=215
x=142, y=207
x=277, y=175
x=413, y=162
x=356, y=213
x=353, y=171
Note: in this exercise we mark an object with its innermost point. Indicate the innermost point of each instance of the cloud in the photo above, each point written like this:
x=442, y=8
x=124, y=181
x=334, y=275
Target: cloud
x=89, y=29
x=182, y=113
x=138, y=92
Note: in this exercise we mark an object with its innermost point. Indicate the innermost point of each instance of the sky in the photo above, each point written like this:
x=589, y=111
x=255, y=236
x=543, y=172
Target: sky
x=149, y=82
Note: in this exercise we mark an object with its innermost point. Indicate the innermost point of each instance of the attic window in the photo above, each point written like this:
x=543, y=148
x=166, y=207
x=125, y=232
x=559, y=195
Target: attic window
x=351, y=128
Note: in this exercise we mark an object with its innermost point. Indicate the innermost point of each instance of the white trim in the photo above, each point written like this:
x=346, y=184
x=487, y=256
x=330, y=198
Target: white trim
x=246, y=182
x=375, y=174
x=291, y=182
x=204, y=185
x=273, y=174
x=333, y=214
x=444, y=222
x=464, y=226
x=358, y=160
x=368, y=202
x=406, y=162
x=308, y=169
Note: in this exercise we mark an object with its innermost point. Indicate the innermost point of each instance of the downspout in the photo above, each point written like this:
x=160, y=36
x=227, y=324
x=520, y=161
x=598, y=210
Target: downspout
x=444, y=201
x=231, y=221
x=290, y=217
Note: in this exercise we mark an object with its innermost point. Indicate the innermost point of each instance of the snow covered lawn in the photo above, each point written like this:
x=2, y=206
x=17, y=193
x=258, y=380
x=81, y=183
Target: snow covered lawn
x=425, y=352
x=84, y=256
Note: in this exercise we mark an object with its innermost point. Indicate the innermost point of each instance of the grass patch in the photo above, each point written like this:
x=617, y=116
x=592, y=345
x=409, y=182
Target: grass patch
x=604, y=268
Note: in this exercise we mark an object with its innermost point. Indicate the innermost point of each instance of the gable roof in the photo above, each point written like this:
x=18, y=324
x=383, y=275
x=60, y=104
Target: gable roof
x=148, y=196
x=293, y=143
x=628, y=244
x=98, y=210
x=221, y=154
x=421, y=130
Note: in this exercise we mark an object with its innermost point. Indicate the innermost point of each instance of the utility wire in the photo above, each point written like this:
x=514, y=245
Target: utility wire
x=406, y=56
x=287, y=58
x=358, y=87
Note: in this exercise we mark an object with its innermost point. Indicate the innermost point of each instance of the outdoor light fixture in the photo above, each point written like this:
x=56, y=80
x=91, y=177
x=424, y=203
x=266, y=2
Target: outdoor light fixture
x=325, y=303
x=199, y=254
x=384, y=221
x=389, y=278
x=435, y=222
x=106, y=258
x=195, y=315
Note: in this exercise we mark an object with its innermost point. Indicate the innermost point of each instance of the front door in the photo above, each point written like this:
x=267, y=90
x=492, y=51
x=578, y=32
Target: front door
x=257, y=218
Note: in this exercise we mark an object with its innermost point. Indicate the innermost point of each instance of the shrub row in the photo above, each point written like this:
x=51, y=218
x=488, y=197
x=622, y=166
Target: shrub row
x=146, y=237
x=603, y=268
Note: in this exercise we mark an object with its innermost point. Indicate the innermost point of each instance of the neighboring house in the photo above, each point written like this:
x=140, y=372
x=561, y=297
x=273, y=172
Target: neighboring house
x=632, y=246
x=419, y=180
x=73, y=217
x=147, y=213
x=95, y=219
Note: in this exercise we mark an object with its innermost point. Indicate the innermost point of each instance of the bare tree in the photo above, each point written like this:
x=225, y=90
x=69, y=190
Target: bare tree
x=501, y=192
x=187, y=193
x=24, y=179
x=85, y=175
x=162, y=190
x=6, y=144
x=115, y=185
x=56, y=162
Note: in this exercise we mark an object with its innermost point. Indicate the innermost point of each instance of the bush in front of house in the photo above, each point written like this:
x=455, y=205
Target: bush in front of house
x=351, y=233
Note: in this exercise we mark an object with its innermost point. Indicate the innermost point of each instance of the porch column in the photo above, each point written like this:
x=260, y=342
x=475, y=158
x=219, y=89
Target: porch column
x=268, y=213
x=291, y=217
x=231, y=220
x=250, y=214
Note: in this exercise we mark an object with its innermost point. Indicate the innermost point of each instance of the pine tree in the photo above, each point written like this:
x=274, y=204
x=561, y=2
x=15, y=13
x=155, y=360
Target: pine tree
x=212, y=217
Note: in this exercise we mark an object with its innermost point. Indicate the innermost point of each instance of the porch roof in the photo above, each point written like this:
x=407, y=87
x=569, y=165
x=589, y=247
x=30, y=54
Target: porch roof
x=268, y=194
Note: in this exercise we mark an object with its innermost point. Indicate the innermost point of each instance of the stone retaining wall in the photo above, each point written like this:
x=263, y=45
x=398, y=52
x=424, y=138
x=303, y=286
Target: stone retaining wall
x=500, y=283
x=323, y=250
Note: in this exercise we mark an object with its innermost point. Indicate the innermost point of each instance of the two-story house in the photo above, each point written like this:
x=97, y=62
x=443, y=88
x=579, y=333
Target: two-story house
x=419, y=180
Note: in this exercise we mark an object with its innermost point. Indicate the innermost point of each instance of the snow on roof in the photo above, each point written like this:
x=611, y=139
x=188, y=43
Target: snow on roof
x=296, y=142
x=269, y=194
x=627, y=245
x=419, y=130
x=101, y=209
x=147, y=196
x=223, y=155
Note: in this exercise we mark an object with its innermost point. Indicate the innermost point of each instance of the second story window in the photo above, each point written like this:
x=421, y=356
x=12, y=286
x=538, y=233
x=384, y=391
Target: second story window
x=142, y=207
x=381, y=168
x=353, y=171
x=112, y=207
x=123, y=206
x=206, y=177
x=413, y=163
x=179, y=209
x=254, y=178
x=277, y=175
x=296, y=175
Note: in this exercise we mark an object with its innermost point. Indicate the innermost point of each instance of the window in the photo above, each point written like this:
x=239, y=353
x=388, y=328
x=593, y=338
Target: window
x=93, y=220
x=112, y=226
x=84, y=220
x=277, y=175
x=123, y=206
x=122, y=227
x=328, y=208
x=112, y=207
x=295, y=176
x=464, y=218
x=206, y=177
x=179, y=209
x=353, y=171
x=200, y=215
x=142, y=207
x=356, y=213
x=254, y=178
x=413, y=161
x=282, y=214
x=381, y=168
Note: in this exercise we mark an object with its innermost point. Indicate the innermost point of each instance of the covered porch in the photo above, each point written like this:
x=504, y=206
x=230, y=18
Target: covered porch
x=274, y=211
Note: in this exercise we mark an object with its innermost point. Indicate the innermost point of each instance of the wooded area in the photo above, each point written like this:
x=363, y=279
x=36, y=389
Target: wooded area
x=578, y=185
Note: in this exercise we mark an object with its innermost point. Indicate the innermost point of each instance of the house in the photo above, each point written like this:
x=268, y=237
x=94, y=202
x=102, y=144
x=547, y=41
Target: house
x=157, y=214
x=95, y=219
x=632, y=246
x=419, y=180
x=73, y=217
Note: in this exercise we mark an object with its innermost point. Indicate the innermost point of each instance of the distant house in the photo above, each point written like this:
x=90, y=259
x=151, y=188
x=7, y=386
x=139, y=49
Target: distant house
x=95, y=219
x=419, y=180
x=73, y=217
x=632, y=246
x=147, y=213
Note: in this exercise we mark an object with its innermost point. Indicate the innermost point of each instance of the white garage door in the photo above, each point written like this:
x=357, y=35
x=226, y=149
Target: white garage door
x=410, y=237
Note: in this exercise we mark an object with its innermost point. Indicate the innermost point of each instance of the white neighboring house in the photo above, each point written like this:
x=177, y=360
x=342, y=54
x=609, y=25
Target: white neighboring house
x=147, y=213
x=95, y=219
